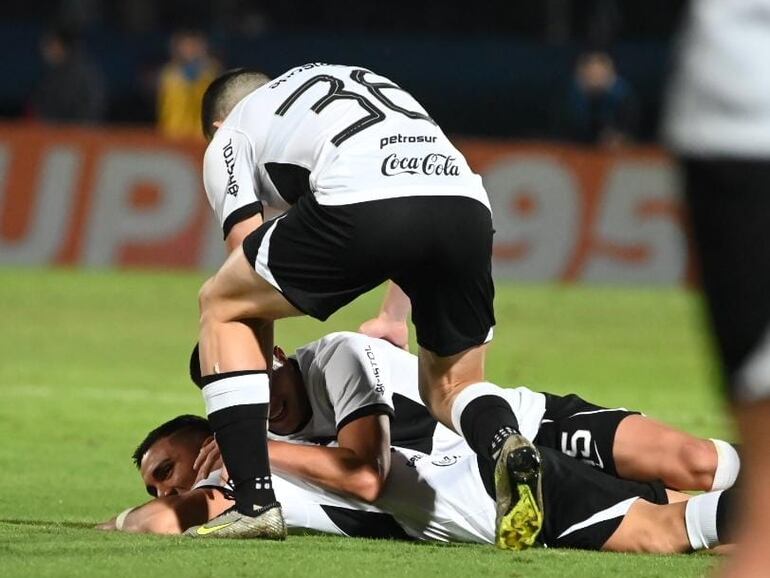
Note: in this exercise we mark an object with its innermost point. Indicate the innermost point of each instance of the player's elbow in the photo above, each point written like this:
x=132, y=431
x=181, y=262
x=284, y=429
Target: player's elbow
x=367, y=484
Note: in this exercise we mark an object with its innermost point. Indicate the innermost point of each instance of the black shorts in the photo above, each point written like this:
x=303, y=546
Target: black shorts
x=581, y=430
x=729, y=202
x=437, y=249
x=583, y=506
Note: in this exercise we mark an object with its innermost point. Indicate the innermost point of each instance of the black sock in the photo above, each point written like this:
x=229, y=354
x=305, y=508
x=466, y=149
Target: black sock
x=486, y=423
x=726, y=515
x=240, y=429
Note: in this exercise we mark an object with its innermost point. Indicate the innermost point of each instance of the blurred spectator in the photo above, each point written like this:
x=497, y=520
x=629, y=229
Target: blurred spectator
x=72, y=89
x=600, y=107
x=183, y=80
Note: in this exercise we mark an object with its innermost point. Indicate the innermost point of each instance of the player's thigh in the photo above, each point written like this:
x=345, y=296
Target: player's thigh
x=646, y=449
x=237, y=292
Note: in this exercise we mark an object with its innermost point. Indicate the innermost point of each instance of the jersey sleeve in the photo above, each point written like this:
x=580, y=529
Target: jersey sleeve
x=228, y=177
x=357, y=380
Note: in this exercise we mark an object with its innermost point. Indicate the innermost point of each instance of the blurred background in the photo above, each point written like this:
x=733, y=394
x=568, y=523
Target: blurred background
x=556, y=103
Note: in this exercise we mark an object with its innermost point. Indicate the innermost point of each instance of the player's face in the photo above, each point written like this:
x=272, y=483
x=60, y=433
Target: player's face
x=289, y=405
x=167, y=467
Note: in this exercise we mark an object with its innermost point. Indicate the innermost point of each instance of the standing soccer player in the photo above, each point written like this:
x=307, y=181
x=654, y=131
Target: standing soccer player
x=374, y=191
x=719, y=124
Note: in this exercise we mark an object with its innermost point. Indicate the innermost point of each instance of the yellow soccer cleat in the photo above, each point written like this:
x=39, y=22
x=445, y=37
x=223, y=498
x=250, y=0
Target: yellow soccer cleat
x=266, y=524
x=519, y=494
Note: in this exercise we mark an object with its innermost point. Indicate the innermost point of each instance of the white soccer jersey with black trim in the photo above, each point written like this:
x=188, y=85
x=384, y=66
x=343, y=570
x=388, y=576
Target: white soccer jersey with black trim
x=437, y=498
x=349, y=375
x=341, y=133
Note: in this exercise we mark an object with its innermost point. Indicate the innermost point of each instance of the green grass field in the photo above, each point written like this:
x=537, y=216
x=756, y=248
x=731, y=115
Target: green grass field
x=91, y=361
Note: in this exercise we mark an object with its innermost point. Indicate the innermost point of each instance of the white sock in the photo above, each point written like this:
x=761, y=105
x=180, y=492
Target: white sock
x=700, y=517
x=467, y=395
x=232, y=391
x=728, y=466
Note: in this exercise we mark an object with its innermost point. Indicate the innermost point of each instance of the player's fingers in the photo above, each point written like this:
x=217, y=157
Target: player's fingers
x=208, y=446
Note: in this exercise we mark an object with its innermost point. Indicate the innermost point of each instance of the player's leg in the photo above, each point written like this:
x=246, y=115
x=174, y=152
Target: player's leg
x=729, y=208
x=645, y=450
x=237, y=307
x=629, y=445
x=449, y=284
x=685, y=524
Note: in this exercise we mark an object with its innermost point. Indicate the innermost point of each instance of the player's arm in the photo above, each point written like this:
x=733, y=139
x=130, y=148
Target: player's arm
x=228, y=177
x=390, y=324
x=171, y=514
x=358, y=467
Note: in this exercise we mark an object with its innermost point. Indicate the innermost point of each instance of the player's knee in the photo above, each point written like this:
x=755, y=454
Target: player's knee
x=206, y=295
x=699, y=459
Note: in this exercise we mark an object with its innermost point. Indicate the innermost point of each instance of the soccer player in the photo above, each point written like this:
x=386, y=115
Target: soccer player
x=345, y=383
x=374, y=191
x=718, y=123
x=429, y=497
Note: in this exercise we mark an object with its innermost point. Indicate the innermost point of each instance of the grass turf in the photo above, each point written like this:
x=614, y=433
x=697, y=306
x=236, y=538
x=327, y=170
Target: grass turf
x=93, y=360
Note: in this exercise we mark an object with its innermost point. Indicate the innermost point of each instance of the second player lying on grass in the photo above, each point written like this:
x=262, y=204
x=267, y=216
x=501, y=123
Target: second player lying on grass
x=431, y=497
x=346, y=386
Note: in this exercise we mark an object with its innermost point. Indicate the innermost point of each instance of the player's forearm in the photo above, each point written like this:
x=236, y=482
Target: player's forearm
x=171, y=514
x=337, y=469
x=396, y=305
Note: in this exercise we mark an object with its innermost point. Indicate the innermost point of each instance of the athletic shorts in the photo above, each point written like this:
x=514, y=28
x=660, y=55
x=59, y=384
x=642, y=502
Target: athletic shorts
x=437, y=249
x=583, y=506
x=729, y=202
x=581, y=430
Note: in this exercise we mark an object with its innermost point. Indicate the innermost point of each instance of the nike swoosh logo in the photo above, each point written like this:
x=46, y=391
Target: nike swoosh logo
x=203, y=530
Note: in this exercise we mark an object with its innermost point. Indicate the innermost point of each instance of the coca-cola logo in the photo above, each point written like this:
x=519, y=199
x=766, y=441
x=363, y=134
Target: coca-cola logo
x=431, y=164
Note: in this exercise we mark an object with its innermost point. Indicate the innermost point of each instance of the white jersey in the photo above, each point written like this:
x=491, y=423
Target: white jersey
x=430, y=497
x=341, y=133
x=719, y=101
x=349, y=375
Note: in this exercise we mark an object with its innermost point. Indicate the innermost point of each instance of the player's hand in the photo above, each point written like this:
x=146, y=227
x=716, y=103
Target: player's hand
x=397, y=332
x=209, y=459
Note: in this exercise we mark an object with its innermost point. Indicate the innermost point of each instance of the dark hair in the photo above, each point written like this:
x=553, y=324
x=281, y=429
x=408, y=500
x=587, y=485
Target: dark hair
x=192, y=423
x=225, y=92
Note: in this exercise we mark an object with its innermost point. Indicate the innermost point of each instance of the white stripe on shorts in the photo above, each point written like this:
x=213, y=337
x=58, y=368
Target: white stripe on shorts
x=616, y=511
x=262, y=266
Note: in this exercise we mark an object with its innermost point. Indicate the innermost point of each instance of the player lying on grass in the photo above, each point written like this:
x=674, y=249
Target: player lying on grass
x=430, y=497
x=345, y=386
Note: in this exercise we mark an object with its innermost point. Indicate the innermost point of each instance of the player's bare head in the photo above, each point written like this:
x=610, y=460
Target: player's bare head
x=166, y=456
x=225, y=92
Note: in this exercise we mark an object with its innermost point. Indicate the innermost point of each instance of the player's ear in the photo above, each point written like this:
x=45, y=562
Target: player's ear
x=217, y=123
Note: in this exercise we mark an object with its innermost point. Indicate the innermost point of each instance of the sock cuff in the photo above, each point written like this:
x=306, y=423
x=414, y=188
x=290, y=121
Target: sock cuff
x=214, y=377
x=467, y=395
x=728, y=465
x=700, y=516
x=235, y=389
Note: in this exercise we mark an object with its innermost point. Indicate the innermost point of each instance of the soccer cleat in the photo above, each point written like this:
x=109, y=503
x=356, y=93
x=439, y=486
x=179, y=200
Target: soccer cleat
x=267, y=524
x=519, y=494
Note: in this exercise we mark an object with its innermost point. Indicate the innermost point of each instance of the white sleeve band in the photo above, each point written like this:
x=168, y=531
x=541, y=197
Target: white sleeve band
x=121, y=519
x=467, y=395
x=728, y=466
